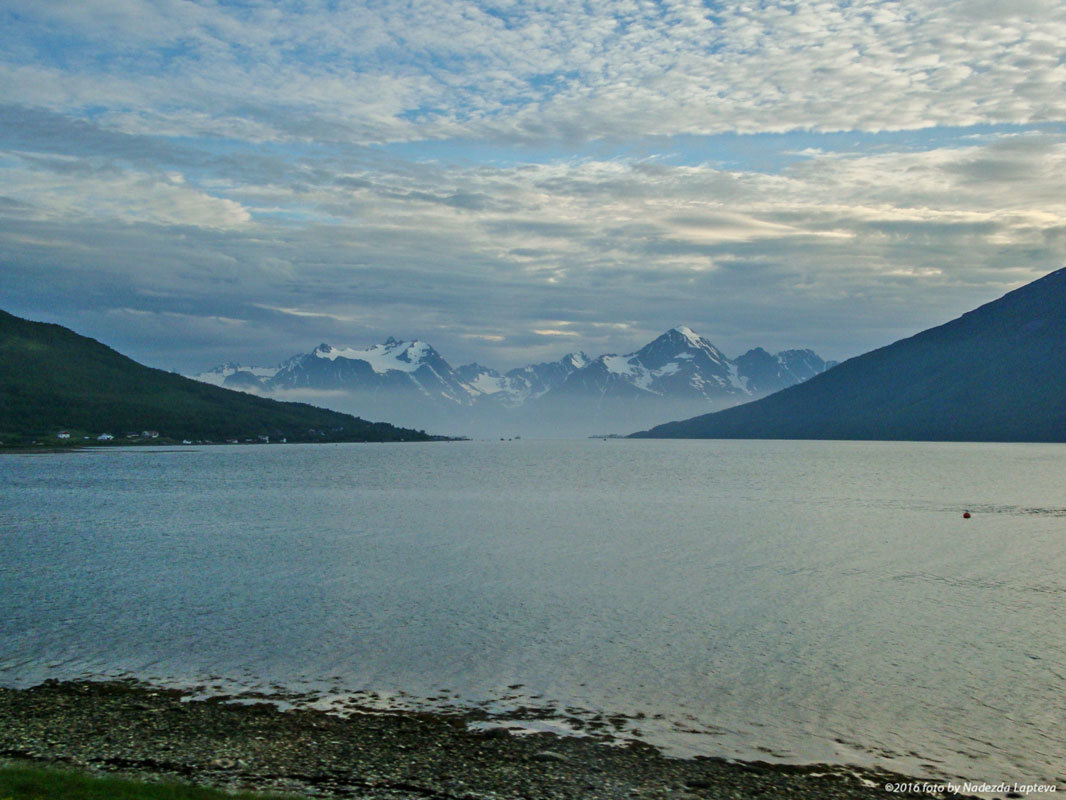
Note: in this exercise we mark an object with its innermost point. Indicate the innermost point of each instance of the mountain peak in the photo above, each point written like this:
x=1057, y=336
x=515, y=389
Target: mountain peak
x=680, y=339
x=993, y=374
x=683, y=336
x=415, y=351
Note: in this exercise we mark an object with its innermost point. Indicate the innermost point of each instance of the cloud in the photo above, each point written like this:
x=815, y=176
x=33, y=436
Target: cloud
x=484, y=337
x=350, y=171
x=299, y=312
x=554, y=332
x=64, y=187
x=382, y=72
x=838, y=251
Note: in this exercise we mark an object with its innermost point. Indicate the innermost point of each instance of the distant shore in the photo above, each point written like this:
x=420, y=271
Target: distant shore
x=156, y=732
x=93, y=447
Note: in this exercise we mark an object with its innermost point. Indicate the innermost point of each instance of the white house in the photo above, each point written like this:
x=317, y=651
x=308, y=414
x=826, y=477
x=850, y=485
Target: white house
x=63, y=434
x=104, y=437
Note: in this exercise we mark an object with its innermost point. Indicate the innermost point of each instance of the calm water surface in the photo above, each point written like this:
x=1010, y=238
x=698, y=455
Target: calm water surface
x=793, y=601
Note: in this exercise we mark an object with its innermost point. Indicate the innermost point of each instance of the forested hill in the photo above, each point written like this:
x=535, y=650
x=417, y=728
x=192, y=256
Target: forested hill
x=52, y=379
x=997, y=373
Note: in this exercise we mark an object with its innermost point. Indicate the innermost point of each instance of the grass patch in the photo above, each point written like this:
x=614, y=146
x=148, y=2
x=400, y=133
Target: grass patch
x=38, y=783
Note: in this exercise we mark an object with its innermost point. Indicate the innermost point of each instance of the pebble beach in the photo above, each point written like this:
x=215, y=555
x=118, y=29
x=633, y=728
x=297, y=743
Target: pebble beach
x=154, y=732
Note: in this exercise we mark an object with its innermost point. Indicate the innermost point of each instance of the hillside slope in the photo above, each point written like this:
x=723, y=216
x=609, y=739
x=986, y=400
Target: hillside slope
x=52, y=378
x=997, y=373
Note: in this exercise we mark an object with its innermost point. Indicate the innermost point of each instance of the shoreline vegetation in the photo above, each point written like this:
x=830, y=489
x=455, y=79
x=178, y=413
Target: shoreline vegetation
x=20, y=780
x=173, y=445
x=152, y=733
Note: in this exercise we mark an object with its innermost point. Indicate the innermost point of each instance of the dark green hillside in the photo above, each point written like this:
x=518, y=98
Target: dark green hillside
x=53, y=379
x=997, y=373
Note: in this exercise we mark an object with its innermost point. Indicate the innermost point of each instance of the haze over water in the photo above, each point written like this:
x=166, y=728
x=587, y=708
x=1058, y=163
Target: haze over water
x=795, y=601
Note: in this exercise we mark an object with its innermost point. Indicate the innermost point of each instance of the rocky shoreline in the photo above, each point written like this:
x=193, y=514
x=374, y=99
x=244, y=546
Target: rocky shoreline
x=148, y=731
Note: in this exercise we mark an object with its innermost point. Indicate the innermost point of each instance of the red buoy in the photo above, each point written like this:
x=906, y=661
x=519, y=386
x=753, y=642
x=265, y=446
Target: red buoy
x=965, y=514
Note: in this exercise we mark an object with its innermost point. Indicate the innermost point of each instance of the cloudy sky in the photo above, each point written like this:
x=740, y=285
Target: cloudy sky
x=197, y=180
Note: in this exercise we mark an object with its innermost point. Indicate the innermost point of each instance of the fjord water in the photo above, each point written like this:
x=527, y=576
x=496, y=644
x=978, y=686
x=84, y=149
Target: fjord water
x=791, y=601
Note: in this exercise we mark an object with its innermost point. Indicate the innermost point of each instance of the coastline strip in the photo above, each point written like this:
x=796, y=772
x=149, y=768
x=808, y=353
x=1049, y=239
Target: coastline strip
x=148, y=731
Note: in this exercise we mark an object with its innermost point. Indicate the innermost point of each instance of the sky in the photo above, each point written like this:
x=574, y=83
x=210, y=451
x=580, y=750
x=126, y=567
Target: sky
x=197, y=181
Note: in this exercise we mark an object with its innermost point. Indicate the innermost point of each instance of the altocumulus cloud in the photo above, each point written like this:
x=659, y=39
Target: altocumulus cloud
x=195, y=181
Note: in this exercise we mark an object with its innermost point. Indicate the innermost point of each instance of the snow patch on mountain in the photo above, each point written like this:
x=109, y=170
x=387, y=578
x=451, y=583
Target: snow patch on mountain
x=223, y=374
x=689, y=335
x=576, y=360
x=735, y=378
x=489, y=384
x=390, y=355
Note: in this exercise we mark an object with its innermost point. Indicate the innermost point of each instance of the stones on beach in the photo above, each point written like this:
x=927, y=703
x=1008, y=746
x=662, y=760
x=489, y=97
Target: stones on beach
x=550, y=756
x=390, y=756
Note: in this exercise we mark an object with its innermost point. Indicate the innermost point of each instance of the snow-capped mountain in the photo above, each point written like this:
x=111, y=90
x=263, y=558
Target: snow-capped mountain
x=409, y=382
x=521, y=384
x=677, y=365
x=413, y=367
x=681, y=365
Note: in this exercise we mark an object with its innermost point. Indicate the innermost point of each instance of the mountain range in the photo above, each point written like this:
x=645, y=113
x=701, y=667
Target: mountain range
x=53, y=380
x=409, y=382
x=997, y=373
